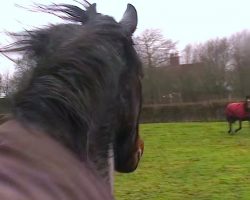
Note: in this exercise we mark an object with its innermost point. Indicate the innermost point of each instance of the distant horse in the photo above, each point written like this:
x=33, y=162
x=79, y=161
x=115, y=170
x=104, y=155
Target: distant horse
x=238, y=111
x=84, y=87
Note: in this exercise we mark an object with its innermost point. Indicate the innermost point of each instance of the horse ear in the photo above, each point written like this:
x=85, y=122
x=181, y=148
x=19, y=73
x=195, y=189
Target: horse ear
x=129, y=19
x=91, y=11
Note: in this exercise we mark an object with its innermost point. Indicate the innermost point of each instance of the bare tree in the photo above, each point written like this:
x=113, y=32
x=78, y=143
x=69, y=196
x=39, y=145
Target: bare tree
x=1, y=85
x=6, y=84
x=187, y=54
x=154, y=48
x=240, y=52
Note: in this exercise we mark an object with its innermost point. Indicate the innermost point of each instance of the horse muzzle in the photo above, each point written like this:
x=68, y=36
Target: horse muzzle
x=140, y=149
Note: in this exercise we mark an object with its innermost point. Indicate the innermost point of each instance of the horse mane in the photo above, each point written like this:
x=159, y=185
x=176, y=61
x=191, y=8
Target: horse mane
x=75, y=73
x=70, y=12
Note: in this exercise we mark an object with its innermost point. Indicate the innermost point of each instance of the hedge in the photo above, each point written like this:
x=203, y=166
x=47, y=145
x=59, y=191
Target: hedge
x=203, y=111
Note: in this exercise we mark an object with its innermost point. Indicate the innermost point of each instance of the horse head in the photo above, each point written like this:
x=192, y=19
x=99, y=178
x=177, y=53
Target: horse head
x=247, y=103
x=129, y=146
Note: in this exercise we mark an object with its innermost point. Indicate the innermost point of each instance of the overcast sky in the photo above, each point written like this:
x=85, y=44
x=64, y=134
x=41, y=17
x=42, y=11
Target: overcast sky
x=184, y=21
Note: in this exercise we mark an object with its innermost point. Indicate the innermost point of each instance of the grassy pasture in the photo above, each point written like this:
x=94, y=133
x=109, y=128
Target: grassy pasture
x=189, y=161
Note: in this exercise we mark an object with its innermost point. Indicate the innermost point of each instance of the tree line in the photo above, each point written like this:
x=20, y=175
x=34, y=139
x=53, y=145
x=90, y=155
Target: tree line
x=216, y=69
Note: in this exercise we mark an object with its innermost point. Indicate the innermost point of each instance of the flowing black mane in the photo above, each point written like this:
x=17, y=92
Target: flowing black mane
x=82, y=78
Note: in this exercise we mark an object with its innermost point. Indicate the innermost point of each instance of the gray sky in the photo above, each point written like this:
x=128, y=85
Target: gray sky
x=184, y=21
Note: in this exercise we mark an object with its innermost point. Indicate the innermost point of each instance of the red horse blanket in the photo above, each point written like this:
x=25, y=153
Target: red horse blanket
x=237, y=110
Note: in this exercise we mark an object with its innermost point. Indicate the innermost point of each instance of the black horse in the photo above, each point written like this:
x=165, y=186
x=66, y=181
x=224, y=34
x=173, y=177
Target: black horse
x=84, y=86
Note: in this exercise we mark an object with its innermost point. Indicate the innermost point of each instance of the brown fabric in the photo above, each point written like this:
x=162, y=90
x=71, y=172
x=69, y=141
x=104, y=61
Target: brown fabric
x=35, y=167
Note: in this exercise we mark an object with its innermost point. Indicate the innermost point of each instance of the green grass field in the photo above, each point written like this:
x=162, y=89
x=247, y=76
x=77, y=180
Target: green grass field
x=189, y=161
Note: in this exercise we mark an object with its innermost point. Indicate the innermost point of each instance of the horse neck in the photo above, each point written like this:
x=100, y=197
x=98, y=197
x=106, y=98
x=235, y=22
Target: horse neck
x=93, y=124
x=100, y=146
x=64, y=110
x=75, y=104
